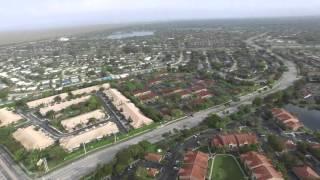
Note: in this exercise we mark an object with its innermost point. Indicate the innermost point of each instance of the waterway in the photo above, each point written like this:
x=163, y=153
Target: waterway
x=122, y=35
x=310, y=118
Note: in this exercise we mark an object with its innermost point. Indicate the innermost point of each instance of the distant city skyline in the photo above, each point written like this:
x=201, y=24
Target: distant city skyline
x=41, y=14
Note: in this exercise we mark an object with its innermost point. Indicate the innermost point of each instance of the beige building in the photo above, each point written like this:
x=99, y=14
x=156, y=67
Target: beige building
x=32, y=139
x=71, y=123
x=8, y=117
x=60, y=106
x=127, y=108
x=73, y=142
x=49, y=100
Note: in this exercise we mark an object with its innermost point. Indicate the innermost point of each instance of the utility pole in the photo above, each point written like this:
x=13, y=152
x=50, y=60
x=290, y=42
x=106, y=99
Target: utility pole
x=115, y=138
x=84, y=148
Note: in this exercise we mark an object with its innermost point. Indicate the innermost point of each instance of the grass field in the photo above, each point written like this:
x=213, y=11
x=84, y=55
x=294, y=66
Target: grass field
x=226, y=168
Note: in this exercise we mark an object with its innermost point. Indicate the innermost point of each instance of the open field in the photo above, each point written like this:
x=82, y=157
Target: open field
x=225, y=167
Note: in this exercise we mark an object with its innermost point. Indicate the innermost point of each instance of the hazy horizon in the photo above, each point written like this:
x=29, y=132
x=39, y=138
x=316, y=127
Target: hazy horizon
x=36, y=14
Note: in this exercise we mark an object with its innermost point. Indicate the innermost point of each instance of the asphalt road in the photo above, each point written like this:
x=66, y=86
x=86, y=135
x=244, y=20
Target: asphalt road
x=9, y=170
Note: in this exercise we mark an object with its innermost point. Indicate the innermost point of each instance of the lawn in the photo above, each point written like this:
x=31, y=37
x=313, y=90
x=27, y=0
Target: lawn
x=226, y=168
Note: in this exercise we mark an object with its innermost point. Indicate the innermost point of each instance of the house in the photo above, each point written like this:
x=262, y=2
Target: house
x=198, y=89
x=155, y=81
x=152, y=172
x=168, y=92
x=259, y=167
x=154, y=157
x=151, y=97
x=234, y=140
x=142, y=92
x=227, y=140
x=204, y=94
x=305, y=172
x=286, y=119
x=195, y=166
x=290, y=145
x=185, y=94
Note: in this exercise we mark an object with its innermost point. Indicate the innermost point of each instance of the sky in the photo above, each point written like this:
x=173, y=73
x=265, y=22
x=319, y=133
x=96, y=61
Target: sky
x=40, y=14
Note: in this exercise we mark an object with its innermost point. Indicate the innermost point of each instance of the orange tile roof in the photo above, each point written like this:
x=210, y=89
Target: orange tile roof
x=152, y=172
x=254, y=159
x=246, y=138
x=287, y=119
x=203, y=94
x=195, y=166
x=141, y=92
x=305, y=172
x=260, y=166
x=266, y=172
x=148, y=96
x=153, y=157
x=234, y=139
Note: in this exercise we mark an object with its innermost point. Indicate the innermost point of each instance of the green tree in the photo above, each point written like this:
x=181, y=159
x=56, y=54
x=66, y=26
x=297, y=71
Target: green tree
x=276, y=143
x=257, y=101
x=215, y=121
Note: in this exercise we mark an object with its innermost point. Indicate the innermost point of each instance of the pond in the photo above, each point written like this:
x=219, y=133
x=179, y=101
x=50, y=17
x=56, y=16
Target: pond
x=310, y=118
x=121, y=35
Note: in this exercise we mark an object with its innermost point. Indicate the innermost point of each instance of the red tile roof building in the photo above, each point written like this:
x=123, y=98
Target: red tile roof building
x=198, y=89
x=234, y=140
x=195, y=166
x=142, y=92
x=155, y=81
x=153, y=157
x=305, y=173
x=260, y=167
x=151, y=97
x=204, y=94
x=168, y=92
x=152, y=172
x=185, y=94
x=286, y=119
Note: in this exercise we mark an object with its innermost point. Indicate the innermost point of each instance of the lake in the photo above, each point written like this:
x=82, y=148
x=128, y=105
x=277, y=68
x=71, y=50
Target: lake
x=310, y=118
x=121, y=35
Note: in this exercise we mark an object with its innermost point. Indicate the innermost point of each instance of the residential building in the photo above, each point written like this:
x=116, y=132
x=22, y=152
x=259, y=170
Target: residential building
x=259, y=167
x=234, y=140
x=147, y=98
x=195, y=166
x=305, y=173
x=286, y=119
x=152, y=172
x=142, y=92
x=154, y=157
